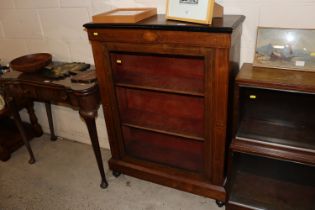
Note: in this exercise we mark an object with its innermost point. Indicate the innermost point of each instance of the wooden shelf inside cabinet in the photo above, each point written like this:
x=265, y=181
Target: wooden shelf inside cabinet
x=263, y=183
x=278, y=151
x=169, y=113
x=163, y=148
x=301, y=137
x=164, y=89
x=193, y=138
x=167, y=73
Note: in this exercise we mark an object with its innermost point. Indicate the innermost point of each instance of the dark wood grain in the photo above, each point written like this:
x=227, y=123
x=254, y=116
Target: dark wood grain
x=162, y=111
x=165, y=149
x=184, y=74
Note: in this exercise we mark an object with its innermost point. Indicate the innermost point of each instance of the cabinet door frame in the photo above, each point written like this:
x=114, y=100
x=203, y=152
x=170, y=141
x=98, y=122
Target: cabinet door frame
x=178, y=50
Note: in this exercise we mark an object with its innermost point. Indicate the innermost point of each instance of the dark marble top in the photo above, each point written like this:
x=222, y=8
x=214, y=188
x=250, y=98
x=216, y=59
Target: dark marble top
x=219, y=25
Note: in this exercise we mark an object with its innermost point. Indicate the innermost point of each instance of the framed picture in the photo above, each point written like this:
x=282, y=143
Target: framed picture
x=292, y=49
x=124, y=15
x=196, y=11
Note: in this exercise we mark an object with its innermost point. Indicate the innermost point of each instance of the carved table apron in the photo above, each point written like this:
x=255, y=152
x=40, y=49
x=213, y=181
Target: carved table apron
x=34, y=87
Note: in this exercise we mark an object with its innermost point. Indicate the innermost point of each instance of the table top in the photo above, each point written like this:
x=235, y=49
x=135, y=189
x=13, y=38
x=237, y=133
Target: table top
x=36, y=78
x=158, y=22
x=37, y=87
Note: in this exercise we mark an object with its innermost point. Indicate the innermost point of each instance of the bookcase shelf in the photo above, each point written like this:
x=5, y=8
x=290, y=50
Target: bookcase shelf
x=264, y=183
x=272, y=157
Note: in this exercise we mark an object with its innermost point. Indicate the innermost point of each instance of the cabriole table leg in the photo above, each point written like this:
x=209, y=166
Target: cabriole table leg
x=33, y=119
x=53, y=136
x=89, y=119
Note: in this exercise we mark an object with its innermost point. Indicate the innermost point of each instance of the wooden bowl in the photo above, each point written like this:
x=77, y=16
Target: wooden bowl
x=31, y=63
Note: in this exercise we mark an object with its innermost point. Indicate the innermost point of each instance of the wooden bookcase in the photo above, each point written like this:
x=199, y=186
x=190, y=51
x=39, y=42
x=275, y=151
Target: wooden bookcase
x=165, y=90
x=272, y=160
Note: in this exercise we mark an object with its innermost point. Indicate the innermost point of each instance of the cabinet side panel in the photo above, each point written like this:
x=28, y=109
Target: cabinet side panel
x=220, y=103
x=209, y=119
x=233, y=92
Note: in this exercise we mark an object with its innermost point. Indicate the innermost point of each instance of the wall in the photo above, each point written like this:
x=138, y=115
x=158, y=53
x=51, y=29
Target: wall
x=55, y=26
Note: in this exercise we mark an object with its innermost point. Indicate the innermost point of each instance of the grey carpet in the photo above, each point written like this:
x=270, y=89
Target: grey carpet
x=65, y=176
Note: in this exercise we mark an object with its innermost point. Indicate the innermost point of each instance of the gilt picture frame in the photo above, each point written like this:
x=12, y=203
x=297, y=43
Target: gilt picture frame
x=195, y=11
x=285, y=48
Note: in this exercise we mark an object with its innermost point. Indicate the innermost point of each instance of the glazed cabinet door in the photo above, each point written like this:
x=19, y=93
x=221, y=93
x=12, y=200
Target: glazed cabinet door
x=162, y=95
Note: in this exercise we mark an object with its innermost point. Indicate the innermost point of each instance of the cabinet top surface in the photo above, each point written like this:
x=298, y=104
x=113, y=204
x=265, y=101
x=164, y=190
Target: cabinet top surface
x=276, y=78
x=219, y=25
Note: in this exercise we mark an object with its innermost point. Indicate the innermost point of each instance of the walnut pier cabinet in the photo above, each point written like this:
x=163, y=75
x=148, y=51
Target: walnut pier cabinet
x=165, y=89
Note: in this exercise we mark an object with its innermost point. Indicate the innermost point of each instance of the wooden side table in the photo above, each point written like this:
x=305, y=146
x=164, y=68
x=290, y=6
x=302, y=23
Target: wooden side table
x=35, y=87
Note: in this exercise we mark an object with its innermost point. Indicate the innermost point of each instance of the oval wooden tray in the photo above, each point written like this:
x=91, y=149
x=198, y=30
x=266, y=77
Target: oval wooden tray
x=31, y=63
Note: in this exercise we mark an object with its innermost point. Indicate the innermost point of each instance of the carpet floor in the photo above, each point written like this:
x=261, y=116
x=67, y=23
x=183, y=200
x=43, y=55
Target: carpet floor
x=65, y=176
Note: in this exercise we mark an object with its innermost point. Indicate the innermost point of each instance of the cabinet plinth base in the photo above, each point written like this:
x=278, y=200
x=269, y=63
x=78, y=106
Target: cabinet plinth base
x=195, y=185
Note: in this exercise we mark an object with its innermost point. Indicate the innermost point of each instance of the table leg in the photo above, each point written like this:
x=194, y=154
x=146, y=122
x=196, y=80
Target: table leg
x=16, y=116
x=89, y=119
x=53, y=137
x=33, y=119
